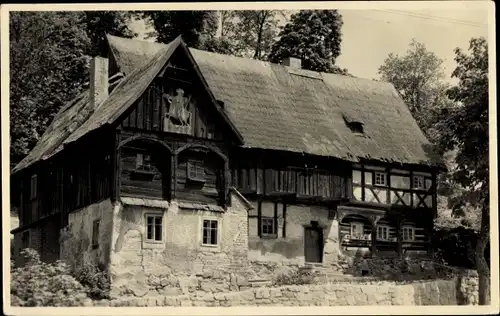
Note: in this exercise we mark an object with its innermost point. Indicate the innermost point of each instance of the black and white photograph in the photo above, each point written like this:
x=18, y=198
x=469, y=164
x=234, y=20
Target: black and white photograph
x=249, y=158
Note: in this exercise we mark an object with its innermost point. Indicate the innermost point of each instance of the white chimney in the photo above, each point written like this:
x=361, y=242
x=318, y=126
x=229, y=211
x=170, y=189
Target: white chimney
x=98, y=81
x=292, y=62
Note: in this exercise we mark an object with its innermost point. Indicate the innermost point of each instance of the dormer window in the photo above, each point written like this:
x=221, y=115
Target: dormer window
x=355, y=125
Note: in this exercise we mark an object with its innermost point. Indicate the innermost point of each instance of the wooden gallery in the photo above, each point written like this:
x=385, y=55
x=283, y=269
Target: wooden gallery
x=179, y=160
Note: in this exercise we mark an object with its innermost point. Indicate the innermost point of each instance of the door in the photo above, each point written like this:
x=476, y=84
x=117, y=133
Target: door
x=313, y=244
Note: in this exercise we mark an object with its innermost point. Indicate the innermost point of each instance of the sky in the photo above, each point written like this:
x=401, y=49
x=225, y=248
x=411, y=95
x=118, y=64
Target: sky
x=368, y=36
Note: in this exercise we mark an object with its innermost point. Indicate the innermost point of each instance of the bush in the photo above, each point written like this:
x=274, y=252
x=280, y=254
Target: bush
x=42, y=284
x=95, y=279
x=457, y=246
x=296, y=277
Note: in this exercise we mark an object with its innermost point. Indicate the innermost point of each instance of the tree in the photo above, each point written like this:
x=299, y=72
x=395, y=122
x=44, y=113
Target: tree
x=254, y=32
x=464, y=128
x=47, y=67
x=314, y=36
x=417, y=76
x=98, y=23
x=194, y=26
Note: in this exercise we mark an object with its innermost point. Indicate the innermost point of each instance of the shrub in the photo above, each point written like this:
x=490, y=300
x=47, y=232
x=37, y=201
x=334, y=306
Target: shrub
x=41, y=284
x=95, y=279
x=296, y=277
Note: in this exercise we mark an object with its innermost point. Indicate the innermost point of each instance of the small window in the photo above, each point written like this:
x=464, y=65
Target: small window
x=382, y=232
x=418, y=182
x=210, y=232
x=154, y=224
x=196, y=170
x=268, y=227
x=357, y=230
x=34, y=187
x=95, y=233
x=143, y=162
x=408, y=233
x=380, y=178
x=25, y=238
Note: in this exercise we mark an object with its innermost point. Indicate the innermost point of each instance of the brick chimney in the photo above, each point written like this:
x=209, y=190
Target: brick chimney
x=98, y=81
x=292, y=62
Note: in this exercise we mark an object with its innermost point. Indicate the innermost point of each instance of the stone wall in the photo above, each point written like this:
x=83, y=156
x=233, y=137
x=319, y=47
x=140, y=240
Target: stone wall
x=468, y=288
x=76, y=238
x=139, y=267
x=289, y=249
x=442, y=292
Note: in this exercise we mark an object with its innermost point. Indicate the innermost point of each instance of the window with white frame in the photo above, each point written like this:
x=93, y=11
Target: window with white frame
x=357, y=230
x=383, y=232
x=210, y=232
x=154, y=225
x=268, y=226
x=380, y=178
x=408, y=233
x=418, y=182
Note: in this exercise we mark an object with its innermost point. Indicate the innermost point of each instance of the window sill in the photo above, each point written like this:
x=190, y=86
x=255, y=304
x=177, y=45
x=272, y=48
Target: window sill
x=269, y=236
x=211, y=248
x=153, y=244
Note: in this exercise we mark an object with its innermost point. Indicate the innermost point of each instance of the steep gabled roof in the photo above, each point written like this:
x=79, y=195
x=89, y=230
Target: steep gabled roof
x=282, y=108
x=272, y=106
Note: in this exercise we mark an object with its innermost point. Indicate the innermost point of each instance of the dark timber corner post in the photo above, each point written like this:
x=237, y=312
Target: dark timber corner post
x=375, y=220
x=115, y=166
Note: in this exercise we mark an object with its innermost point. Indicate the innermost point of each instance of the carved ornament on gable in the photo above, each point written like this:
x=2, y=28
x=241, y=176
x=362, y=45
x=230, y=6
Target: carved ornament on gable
x=178, y=116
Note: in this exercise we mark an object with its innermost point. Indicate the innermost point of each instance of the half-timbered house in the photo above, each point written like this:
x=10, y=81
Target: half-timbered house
x=181, y=159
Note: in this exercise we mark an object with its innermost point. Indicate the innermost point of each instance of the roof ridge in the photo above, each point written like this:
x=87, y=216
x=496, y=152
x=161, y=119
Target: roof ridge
x=264, y=62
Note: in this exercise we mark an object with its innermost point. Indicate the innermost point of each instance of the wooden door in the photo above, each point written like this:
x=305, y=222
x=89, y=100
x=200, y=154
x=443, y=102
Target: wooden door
x=313, y=245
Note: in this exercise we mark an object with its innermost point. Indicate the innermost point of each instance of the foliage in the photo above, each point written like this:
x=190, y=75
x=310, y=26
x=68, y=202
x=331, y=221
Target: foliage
x=464, y=128
x=314, y=36
x=457, y=246
x=42, y=284
x=49, y=60
x=47, y=67
x=194, y=26
x=295, y=277
x=254, y=32
x=418, y=77
x=95, y=279
x=98, y=23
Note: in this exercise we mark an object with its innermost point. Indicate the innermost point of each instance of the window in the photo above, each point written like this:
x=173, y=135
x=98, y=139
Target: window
x=143, y=162
x=268, y=227
x=196, y=170
x=154, y=227
x=210, y=229
x=418, y=182
x=357, y=230
x=383, y=232
x=408, y=233
x=380, y=178
x=26, y=239
x=34, y=187
x=95, y=233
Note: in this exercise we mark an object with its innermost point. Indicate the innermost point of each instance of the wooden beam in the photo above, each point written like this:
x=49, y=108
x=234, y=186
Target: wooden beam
x=284, y=220
x=259, y=218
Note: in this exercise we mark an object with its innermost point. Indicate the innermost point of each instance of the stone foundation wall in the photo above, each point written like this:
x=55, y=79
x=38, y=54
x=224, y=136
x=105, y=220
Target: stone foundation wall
x=139, y=267
x=468, y=288
x=442, y=292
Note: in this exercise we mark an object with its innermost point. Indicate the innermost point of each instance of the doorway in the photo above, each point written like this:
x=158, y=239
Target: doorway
x=313, y=244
